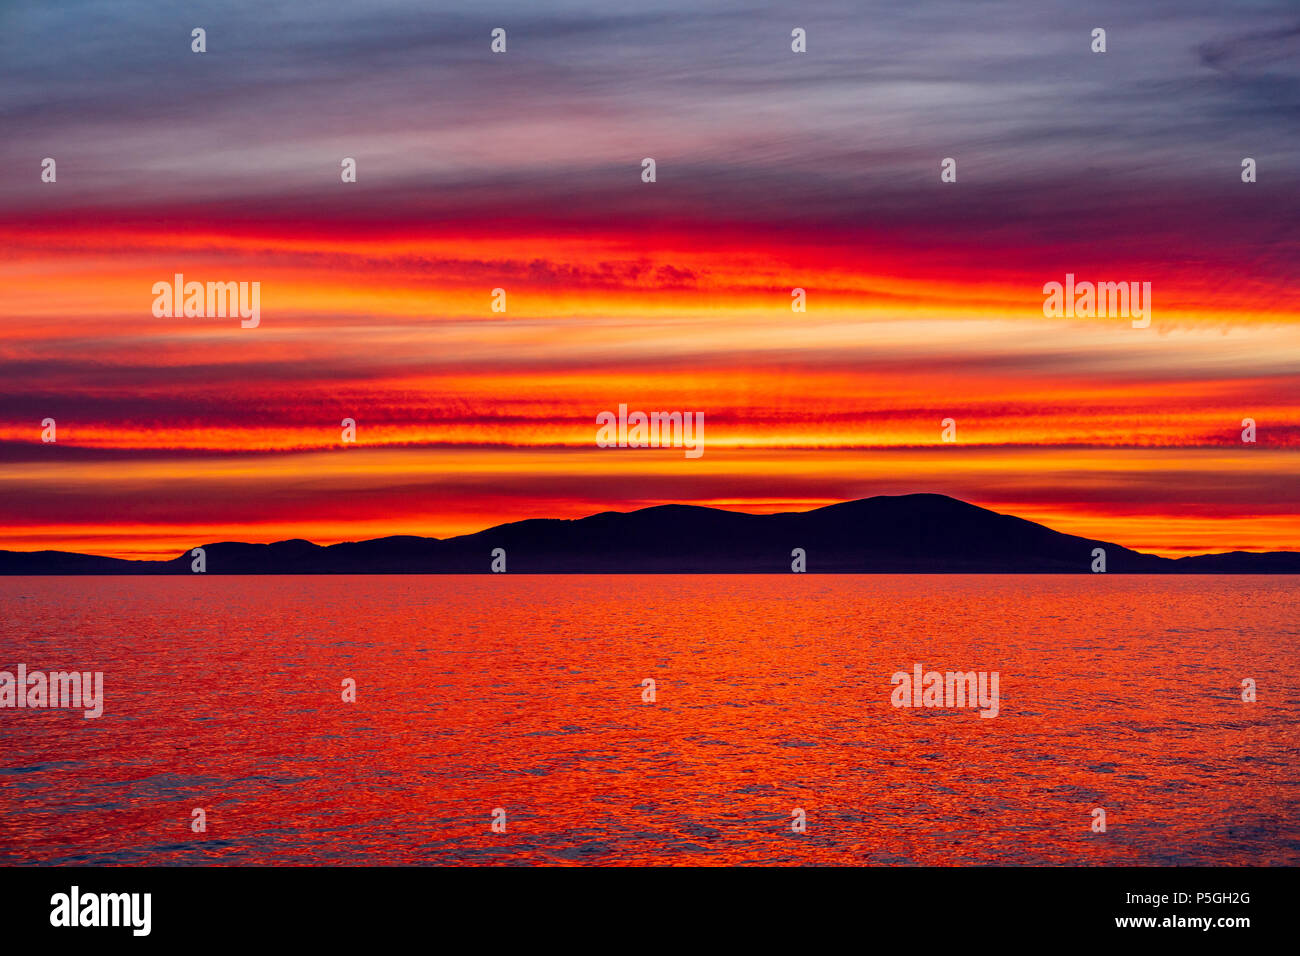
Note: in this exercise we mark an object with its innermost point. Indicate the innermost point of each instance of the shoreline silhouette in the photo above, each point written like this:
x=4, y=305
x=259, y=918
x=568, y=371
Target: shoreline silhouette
x=900, y=534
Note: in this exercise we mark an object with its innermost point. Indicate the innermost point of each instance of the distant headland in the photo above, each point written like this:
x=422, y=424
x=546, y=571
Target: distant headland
x=887, y=534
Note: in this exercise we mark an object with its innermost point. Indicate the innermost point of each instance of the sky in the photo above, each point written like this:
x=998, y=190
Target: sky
x=522, y=171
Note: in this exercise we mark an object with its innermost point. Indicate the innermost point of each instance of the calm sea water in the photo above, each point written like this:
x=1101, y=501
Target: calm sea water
x=773, y=692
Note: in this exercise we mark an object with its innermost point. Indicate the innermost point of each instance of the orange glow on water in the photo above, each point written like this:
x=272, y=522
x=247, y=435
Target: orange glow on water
x=772, y=692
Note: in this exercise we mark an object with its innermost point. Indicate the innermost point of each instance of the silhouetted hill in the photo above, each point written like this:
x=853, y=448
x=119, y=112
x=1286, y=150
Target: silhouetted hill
x=905, y=533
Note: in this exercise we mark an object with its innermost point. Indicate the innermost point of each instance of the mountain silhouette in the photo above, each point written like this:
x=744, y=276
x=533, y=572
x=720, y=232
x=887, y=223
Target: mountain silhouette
x=904, y=533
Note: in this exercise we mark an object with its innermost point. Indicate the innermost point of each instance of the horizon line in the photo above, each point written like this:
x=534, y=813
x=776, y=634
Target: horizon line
x=917, y=494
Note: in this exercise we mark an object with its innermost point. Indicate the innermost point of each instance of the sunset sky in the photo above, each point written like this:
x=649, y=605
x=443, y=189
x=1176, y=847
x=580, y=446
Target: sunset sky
x=522, y=171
